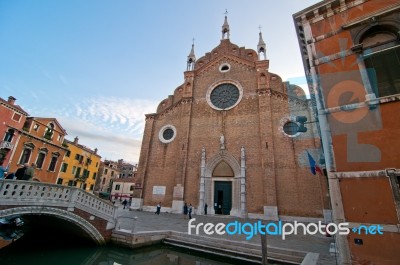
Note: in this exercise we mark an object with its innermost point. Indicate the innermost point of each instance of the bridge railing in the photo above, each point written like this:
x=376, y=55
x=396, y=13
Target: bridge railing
x=22, y=193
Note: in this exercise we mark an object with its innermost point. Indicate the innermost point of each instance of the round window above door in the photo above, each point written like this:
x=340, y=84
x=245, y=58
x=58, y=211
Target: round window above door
x=224, y=95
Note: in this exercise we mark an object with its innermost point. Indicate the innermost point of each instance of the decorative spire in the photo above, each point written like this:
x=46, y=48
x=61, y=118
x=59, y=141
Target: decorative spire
x=225, y=27
x=191, y=59
x=261, y=47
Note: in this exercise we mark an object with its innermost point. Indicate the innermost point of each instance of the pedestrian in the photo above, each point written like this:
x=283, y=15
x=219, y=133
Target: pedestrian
x=158, y=208
x=20, y=173
x=190, y=211
x=185, y=210
x=30, y=171
x=124, y=203
x=205, y=208
x=3, y=171
x=10, y=176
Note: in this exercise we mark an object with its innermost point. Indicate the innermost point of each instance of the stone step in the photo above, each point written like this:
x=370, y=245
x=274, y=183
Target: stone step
x=218, y=243
x=234, y=250
x=198, y=237
x=215, y=251
x=254, y=248
x=325, y=259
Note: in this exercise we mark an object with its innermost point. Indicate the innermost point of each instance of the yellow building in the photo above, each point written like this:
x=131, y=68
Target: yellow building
x=80, y=166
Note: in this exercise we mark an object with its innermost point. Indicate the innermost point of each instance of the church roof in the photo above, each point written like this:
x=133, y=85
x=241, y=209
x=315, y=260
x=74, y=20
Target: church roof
x=227, y=49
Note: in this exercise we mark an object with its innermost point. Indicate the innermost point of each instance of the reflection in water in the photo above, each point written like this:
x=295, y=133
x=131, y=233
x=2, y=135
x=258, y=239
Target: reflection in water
x=39, y=248
x=110, y=255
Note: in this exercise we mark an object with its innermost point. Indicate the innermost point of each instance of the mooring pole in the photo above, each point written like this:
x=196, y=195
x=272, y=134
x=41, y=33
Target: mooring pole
x=264, y=248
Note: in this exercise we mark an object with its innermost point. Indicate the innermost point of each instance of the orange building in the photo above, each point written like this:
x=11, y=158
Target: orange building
x=351, y=55
x=12, y=119
x=41, y=142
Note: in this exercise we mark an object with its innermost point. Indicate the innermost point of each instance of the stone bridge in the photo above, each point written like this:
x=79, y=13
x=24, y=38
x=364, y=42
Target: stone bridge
x=83, y=213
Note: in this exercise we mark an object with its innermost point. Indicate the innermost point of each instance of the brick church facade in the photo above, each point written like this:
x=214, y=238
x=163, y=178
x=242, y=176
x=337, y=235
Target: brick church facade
x=228, y=137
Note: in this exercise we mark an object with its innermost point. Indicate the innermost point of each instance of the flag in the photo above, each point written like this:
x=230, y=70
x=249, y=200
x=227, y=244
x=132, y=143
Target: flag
x=314, y=168
x=312, y=163
x=319, y=170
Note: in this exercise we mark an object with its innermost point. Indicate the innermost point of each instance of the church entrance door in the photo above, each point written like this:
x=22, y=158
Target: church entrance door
x=222, y=197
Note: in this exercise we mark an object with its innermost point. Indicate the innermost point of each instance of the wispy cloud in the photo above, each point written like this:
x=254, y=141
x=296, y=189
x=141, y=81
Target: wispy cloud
x=113, y=125
x=123, y=115
x=110, y=144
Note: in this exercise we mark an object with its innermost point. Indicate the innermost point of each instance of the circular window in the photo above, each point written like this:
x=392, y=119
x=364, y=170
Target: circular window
x=224, y=96
x=291, y=128
x=224, y=67
x=167, y=134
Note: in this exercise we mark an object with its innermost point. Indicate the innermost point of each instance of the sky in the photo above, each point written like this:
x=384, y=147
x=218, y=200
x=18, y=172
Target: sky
x=98, y=66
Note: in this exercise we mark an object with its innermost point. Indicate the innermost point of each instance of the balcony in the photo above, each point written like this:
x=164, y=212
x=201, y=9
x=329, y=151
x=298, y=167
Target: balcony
x=6, y=145
x=81, y=178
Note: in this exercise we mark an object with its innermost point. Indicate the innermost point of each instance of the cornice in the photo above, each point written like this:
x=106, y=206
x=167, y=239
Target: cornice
x=22, y=132
x=282, y=96
x=215, y=62
x=169, y=109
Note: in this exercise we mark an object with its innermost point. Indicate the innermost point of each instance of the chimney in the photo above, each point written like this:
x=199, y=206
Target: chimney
x=11, y=100
x=95, y=151
x=76, y=140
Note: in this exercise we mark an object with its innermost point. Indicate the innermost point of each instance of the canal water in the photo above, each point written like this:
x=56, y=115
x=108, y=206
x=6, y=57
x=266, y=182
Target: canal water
x=38, y=247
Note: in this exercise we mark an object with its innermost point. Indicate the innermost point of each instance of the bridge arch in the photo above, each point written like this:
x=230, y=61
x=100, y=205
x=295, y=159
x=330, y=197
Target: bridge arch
x=75, y=219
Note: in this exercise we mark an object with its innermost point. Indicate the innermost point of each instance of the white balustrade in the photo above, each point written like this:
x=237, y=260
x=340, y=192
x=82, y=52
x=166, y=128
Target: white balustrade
x=25, y=193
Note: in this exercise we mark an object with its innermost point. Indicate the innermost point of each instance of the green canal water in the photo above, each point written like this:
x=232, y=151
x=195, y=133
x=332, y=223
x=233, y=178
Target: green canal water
x=37, y=247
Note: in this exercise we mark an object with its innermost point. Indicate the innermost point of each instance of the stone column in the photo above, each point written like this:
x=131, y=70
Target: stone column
x=243, y=210
x=200, y=208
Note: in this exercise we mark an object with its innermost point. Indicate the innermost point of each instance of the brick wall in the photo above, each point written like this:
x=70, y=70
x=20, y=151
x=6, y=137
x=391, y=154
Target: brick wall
x=274, y=175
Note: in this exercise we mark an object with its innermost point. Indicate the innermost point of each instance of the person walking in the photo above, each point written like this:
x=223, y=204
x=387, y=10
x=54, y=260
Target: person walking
x=185, y=210
x=205, y=209
x=124, y=203
x=158, y=208
x=190, y=211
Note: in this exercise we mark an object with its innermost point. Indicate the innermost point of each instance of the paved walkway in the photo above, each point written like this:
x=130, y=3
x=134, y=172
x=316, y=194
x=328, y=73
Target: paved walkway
x=148, y=221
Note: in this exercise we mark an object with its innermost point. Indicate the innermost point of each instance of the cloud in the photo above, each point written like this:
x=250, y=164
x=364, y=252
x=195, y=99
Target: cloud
x=113, y=125
x=110, y=144
x=125, y=116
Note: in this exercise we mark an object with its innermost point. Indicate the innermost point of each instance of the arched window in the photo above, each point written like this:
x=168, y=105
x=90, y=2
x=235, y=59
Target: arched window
x=49, y=131
x=9, y=135
x=381, y=52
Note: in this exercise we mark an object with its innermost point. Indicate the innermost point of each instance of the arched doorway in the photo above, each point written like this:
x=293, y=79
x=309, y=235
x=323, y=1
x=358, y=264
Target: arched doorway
x=222, y=184
x=222, y=188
